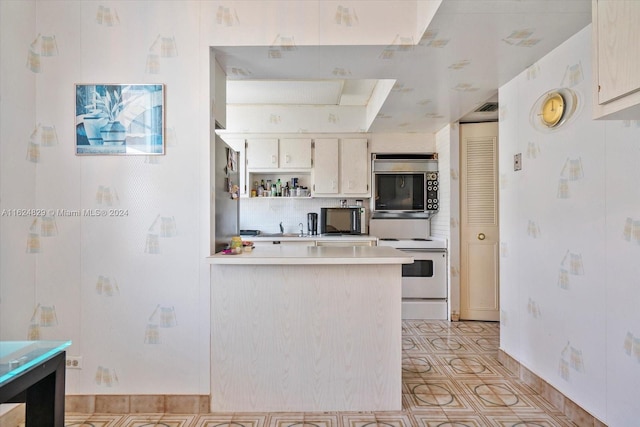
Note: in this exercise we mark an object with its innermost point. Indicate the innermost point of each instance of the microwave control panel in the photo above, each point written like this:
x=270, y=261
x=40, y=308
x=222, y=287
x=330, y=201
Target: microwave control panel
x=432, y=191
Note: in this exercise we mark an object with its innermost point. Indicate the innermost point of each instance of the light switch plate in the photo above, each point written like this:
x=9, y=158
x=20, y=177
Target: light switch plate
x=517, y=162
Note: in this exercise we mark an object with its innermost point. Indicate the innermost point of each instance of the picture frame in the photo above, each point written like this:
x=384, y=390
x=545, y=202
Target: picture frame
x=120, y=119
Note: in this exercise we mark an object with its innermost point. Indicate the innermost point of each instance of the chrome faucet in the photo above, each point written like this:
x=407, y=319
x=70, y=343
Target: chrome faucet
x=301, y=229
x=281, y=228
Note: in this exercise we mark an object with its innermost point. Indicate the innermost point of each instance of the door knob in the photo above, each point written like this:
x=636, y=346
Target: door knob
x=481, y=236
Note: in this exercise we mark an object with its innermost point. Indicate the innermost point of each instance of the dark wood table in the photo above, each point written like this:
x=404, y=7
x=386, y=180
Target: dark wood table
x=33, y=372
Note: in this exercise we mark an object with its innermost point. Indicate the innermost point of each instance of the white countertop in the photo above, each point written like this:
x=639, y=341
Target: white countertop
x=315, y=255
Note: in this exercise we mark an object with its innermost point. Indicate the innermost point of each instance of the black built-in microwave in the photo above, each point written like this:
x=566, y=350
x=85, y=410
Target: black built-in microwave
x=405, y=186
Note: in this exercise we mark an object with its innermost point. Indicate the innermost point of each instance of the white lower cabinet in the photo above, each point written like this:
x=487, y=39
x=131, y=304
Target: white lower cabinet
x=306, y=242
x=346, y=243
x=298, y=242
x=263, y=243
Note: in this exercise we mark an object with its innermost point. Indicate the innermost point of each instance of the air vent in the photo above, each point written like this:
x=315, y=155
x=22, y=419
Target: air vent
x=487, y=107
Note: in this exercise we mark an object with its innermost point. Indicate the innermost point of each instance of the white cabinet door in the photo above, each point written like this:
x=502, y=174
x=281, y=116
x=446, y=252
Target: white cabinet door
x=298, y=242
x=295, y=153
x=275, y=241
x=618, y=35
x=616, y=62
x=345, y=243
x=354, y=167
x=261, y=243
x=262, y=153
x=325, y=167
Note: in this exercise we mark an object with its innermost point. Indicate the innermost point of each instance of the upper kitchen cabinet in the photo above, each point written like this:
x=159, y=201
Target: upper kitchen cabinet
x=274, y=153
x=348, y=176
x=326, y=173
x=616, y=59
x=262, y=153
x=295, y=153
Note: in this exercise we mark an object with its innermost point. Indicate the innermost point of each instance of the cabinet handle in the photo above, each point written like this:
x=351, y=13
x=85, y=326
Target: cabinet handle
x=287, y=158
x=481, y=236
x=274, y=159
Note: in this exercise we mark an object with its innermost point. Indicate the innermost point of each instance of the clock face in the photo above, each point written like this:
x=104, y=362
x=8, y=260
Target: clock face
x=555, y=109
x=552, y=109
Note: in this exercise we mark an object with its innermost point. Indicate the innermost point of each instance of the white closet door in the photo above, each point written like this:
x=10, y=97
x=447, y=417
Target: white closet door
x=479, y=233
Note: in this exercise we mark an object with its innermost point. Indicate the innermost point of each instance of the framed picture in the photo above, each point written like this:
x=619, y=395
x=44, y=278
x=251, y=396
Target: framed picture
x=120, y=119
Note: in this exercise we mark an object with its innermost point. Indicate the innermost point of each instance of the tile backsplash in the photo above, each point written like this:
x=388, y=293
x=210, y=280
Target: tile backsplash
x=265, y=213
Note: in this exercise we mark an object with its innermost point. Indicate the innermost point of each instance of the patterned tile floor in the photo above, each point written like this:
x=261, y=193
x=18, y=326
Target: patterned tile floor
x=451, y=378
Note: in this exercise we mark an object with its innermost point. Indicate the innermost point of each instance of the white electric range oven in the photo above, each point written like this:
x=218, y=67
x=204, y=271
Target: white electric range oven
x=424, y=283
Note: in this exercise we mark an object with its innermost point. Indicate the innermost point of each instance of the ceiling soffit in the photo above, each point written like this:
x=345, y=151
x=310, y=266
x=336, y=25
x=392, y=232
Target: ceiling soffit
x=466, y=52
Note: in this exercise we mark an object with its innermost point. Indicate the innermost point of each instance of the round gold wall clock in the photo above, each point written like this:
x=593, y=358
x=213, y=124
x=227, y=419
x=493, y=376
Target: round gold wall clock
x=552, y=109
x=555, y=109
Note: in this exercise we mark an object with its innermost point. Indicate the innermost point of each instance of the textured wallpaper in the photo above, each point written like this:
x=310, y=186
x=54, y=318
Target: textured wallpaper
x=130, y=285
x=569, y=239
x=104, y=250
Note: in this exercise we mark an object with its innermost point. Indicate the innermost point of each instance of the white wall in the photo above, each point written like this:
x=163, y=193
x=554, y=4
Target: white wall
x=94, y=280
x=17, y=175
x=570, y=242
x=300, y=118
x=402, y=143
x=446, y=223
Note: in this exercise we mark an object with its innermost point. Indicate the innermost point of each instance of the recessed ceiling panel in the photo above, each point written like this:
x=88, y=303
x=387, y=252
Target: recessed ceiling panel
x=284, y=92
x=357, y=91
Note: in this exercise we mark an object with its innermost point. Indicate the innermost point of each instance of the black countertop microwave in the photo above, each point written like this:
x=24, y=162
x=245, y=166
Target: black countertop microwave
x=341, y=220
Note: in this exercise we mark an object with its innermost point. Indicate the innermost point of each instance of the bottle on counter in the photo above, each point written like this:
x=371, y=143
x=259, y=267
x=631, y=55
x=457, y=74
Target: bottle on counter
x=273, y=190
x=278, y=188
x=236, y=244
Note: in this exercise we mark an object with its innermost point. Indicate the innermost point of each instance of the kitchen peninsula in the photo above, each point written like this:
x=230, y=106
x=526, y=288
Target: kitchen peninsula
x=307, y=329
